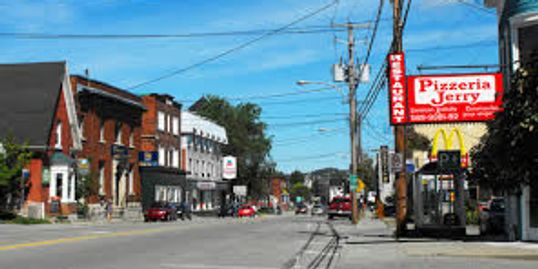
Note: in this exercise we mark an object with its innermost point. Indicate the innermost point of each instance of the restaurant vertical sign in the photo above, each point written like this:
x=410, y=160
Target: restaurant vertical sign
x=397, y=90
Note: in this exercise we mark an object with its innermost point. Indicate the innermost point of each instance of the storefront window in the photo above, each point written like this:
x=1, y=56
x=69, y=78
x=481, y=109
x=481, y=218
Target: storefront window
x=528, y=43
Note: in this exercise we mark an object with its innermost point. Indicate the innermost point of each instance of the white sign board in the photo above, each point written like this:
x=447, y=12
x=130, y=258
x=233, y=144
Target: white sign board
x=206, y=186
x=240, y=190
x=229, y=167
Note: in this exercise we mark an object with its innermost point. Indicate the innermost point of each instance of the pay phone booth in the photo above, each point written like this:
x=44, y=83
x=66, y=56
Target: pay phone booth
x=438, y=190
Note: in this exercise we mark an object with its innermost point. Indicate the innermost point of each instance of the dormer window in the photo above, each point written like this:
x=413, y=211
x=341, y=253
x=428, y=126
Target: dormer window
x=58, y=131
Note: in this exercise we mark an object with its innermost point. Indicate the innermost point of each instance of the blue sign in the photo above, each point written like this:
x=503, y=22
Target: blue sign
x=119, y=151
x=410, y=167
x=148, y=158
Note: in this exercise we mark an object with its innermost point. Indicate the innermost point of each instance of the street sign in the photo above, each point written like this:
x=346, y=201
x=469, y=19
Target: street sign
x=384, y=159
x=353, y=181
x=449, y=160
x=148, y=158
x=240, y=190
x=360, y=186
x=396, y=162
x=206, y=186
x=83, y=167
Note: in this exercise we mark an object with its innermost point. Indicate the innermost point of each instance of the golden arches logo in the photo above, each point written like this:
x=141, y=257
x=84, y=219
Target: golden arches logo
x=448, y=139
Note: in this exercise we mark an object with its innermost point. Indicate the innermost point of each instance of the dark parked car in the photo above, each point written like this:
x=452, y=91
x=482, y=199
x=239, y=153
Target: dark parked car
x=301, y=209
x=492, y=217
x=160, y=211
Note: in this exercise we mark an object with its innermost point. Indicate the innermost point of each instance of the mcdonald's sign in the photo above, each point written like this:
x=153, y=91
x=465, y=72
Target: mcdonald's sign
x=448, y=139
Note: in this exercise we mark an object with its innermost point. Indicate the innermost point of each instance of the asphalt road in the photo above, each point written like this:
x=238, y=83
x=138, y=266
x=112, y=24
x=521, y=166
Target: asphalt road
x=205, y=243
x=270, y=242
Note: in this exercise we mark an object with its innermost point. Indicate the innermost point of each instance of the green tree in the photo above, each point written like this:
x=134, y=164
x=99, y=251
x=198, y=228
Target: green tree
x=507, y=156
x=299, y=189
x=296, y=177
x=13, y=158
x=247, y=140
x=367, y=172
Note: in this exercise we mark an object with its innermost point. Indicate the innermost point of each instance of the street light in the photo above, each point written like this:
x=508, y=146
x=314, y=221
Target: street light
x=336, y=87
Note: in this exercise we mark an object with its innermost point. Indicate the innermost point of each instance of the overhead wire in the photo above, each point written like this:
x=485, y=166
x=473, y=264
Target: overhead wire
x=232, y=50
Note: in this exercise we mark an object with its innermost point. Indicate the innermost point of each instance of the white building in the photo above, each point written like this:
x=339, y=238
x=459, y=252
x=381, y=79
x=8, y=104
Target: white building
x=201, y=144
x=518, y=40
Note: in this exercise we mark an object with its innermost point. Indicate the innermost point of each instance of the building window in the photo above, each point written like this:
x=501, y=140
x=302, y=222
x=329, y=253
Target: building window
x=102, y=132
x=118, y=133
x=528, y=44
x=189, y=165
x=169, y=126
x=175, y=158
x=101, y=178
x=160, y=121
x=58, y=144
x=59, y=185
x=175, y=126
x=81, y=127
x=162, y=156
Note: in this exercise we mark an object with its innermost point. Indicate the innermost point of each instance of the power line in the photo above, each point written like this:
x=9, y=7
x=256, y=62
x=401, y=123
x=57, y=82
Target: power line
x=66, y=36
x=461, y=46
x=303, y=116
x=311, y=157
x=267, y=96
x=476, y=7
x=306, y=122
x=234, y=49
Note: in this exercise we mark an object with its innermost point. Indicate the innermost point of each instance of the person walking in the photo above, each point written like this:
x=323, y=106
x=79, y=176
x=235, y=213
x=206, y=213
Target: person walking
x=109, y=210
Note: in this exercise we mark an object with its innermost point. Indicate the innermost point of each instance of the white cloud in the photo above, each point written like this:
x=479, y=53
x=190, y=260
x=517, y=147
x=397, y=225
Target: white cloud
x=36, y=15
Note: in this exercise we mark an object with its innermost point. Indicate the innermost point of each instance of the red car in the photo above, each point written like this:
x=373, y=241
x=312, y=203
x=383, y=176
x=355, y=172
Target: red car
x=246, y=211
x=160, y=212
x=340, y=207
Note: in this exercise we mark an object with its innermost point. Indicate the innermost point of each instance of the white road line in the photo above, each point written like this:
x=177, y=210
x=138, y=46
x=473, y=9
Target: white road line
x=212, y=266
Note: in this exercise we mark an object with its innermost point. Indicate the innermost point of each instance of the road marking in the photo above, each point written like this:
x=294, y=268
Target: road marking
x=84, y=238
x=212, y=266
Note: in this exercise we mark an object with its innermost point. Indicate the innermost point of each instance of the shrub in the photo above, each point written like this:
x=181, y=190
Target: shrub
x=28, y=221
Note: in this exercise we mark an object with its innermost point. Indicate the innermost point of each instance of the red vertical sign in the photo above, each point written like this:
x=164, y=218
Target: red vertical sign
x=397, y=91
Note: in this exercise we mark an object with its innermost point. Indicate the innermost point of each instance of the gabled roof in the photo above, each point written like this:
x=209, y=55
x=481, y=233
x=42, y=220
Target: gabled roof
x=28, y=97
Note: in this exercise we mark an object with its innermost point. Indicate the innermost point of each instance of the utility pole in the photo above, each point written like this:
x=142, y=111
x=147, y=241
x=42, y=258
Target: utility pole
x=352, y=83
x=401, y=181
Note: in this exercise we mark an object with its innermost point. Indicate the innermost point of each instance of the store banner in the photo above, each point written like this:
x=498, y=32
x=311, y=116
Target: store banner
x=397, y=89
x=454, y=97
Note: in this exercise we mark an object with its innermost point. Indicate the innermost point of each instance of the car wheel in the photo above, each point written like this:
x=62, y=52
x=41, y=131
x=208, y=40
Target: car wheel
x=331, y=216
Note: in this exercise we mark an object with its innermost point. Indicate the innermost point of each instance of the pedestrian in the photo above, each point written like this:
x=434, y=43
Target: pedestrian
x=109, y=210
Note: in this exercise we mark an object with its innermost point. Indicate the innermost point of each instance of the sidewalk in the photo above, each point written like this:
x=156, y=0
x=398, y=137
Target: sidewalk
x=372, y=242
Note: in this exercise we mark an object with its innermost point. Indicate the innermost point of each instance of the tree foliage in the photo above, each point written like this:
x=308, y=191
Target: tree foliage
x=507, y=156
x=299, y=189
x=13, y=158
x=296, y=177
x=247, y=140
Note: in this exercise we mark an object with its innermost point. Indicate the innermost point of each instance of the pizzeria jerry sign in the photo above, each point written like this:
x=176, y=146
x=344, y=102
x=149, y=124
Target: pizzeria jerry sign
x=442, y=98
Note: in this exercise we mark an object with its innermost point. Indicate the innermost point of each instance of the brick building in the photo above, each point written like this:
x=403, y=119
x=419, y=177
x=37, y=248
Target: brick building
x=110, y=123
x=162, y=178
x=38, y=109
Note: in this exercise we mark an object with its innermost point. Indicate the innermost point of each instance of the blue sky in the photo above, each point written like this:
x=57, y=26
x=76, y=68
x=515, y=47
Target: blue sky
x=439, y=32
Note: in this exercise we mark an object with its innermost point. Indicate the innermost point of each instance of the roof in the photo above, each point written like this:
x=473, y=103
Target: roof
x=192, y=123
x=28, y=96
x=106, y=90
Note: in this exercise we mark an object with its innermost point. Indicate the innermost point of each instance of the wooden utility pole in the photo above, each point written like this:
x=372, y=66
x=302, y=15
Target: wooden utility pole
x=401, y=181
x=353, y=117
x=352, y=120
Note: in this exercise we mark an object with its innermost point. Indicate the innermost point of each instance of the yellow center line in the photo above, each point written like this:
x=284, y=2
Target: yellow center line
x=84, y=238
